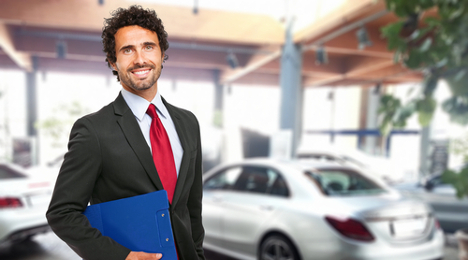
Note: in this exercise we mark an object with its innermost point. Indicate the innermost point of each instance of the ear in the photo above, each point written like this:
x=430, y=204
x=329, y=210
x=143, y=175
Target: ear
x=114, y=67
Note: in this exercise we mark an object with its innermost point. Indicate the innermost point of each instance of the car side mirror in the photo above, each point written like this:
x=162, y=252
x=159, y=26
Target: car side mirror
x=428, y=185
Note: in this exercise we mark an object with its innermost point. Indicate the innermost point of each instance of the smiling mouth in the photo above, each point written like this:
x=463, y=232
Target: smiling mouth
x=141, y=73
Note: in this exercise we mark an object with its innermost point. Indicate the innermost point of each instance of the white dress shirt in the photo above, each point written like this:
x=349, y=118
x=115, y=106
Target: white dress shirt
x=139, y=105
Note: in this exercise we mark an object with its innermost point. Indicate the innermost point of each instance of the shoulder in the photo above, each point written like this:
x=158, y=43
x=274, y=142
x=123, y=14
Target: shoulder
x=97, y=119
x=99, y=115
x=183, y=114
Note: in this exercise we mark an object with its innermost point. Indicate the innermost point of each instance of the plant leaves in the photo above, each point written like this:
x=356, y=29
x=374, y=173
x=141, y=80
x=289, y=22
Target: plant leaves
x=459, y=180
x=430, y=84
x=457, y=108
x=426, y=45
x=386, y=111
x=426, y=108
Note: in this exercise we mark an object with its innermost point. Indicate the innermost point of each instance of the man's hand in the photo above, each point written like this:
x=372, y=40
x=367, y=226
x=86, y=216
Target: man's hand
x=143, y=256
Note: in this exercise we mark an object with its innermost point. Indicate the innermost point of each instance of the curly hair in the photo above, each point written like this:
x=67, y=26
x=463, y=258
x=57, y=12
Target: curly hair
x=134, y=15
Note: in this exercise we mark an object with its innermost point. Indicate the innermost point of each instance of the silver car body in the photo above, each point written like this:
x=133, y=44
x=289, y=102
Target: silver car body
x=236, y=222
x=33, y=194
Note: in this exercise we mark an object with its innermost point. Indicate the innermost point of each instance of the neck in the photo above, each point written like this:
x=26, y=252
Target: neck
x=147, y=94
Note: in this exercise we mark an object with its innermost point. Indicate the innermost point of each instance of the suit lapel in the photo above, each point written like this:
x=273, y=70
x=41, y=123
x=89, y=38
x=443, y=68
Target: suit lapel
x=181, y=132
x=131, y=130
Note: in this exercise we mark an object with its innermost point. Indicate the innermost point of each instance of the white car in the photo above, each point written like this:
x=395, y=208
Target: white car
x=23, y=204
x=266, y=209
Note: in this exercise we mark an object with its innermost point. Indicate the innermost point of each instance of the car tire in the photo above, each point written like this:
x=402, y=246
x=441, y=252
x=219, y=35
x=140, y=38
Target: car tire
x=277, y=247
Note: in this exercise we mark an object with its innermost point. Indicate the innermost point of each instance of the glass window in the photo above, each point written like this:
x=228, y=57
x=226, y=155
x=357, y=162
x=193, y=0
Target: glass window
x=339, y=182
x=279, y=187
x=254, y=179
x=437, y=181
x=223, y=180
x=8, y=173
x=322, y=157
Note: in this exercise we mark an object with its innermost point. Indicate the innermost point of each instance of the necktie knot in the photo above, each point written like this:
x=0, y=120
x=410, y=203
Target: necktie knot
x=151, y=111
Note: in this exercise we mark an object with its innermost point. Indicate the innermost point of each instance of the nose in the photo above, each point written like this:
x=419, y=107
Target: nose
x=140, y=58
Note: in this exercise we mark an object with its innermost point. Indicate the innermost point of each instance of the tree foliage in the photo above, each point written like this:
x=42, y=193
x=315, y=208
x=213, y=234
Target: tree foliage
x=431, y=36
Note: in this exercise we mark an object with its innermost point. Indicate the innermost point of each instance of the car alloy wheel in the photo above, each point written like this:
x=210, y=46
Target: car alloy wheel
x=277, y=248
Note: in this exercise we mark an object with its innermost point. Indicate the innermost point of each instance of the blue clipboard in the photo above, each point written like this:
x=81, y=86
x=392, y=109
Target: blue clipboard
x=140, y=223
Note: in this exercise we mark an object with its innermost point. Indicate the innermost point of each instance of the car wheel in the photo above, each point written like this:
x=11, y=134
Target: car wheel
x=277, y=247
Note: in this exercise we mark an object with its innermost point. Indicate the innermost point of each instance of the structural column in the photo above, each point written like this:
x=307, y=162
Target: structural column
x=218, y=100
x=424, y=151
x=291, y=89
x=373, y=100
x=31, y=111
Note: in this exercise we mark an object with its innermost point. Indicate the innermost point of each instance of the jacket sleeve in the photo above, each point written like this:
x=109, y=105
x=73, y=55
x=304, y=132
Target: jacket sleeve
x=73, y=189
x=195, y=202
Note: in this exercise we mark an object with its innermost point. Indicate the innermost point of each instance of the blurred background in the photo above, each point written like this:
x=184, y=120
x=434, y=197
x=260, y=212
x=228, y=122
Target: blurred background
x=280, y=79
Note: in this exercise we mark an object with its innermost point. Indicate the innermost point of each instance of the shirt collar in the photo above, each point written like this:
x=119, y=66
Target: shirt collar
x=139, y=105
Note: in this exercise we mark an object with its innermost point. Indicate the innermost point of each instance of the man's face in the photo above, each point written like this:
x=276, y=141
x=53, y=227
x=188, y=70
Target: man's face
x=139, y=58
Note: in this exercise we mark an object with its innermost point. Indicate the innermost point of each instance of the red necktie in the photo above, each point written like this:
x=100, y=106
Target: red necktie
x=162, y=153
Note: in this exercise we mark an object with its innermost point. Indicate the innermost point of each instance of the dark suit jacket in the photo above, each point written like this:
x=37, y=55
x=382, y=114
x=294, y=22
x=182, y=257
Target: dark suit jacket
x=108, y=159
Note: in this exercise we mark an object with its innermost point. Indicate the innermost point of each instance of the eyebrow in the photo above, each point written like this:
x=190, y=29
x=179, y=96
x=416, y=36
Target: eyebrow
x=143, y=44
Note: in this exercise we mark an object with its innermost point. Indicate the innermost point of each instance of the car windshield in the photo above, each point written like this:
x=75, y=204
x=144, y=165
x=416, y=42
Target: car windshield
x=8, y=173
x=342, y=182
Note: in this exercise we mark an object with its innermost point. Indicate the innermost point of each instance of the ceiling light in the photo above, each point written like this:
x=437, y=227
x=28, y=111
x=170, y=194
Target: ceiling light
x=61, y=49
x=363, y=38
x=232, y=60
x=377, y=88
x=321, y=56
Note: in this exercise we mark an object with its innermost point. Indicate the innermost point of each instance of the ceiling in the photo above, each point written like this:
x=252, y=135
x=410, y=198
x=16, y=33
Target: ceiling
x=31, y=30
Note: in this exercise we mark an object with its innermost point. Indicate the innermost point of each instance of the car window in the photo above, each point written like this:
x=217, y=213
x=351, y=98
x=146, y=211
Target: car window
x=437, y=181
x=278, y=186
x=321, y=157
x=8, y=173
x=261, y=180
x=252, y=179
x=339, y=182
x=223, y=180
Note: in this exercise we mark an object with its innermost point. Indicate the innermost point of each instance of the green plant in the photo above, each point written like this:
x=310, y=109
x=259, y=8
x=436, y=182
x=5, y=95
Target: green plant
x=430, y=37
x=458, y=178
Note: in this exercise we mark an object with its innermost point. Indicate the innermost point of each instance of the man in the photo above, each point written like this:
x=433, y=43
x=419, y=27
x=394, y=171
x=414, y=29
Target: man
x=114, y=154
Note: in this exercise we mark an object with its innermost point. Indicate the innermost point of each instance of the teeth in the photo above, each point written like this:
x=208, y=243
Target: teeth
x=140, y=72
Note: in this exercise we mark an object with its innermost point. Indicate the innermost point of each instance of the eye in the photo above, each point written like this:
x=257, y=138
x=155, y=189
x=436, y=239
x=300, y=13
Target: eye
x=148, y=47
x=127, y=51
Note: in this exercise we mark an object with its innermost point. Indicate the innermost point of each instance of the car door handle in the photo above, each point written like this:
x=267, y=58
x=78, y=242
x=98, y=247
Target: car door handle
x=266, y=207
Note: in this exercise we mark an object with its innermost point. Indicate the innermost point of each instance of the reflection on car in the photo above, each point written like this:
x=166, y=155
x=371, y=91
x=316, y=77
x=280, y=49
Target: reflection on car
x=377, y=165
x=268, y=209
x=451, y=212
x=23, y=204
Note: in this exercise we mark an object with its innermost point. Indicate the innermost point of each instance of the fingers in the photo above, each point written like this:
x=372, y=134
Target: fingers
x=143, y=256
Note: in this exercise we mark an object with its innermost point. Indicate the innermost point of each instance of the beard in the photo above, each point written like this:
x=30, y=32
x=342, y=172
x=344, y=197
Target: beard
x=137, y=84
